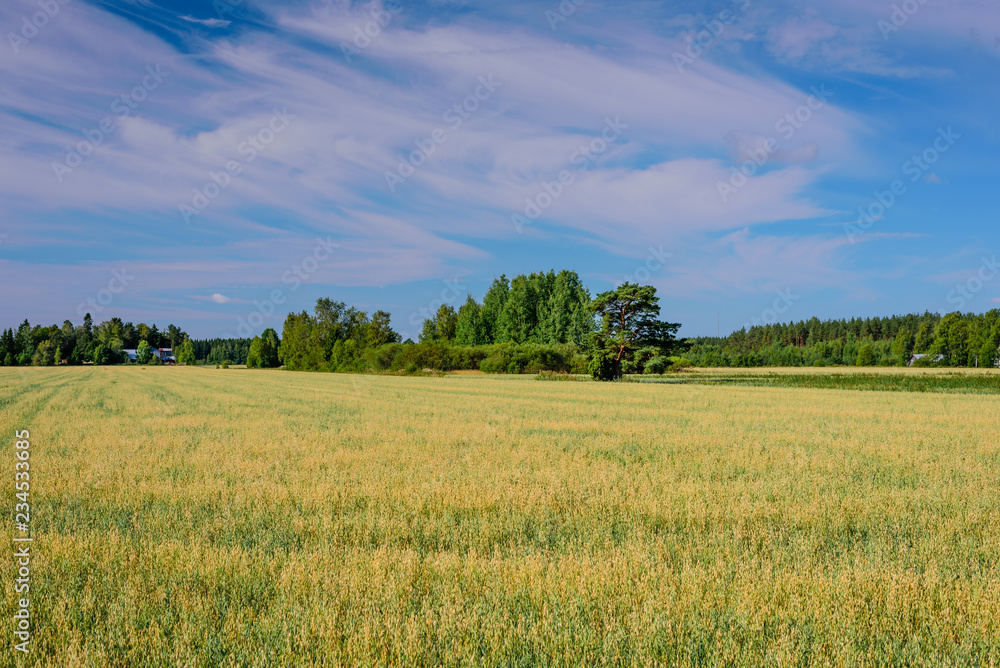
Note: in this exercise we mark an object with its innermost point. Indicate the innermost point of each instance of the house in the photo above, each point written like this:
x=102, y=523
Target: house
x=918, y=356
x=165, y=354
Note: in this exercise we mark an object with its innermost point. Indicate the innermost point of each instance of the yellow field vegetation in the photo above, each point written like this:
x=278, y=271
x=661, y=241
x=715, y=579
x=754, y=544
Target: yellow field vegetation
x=202, y=517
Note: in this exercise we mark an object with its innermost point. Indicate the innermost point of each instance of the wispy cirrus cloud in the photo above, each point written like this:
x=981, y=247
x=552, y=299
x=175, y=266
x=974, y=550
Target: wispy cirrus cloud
x=353, y=120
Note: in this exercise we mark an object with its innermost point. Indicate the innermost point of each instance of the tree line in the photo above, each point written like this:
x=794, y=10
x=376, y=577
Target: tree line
x=105, y=343
x=959, y=339
x=532, y=322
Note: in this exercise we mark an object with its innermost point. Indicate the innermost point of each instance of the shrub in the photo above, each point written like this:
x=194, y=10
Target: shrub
x=679, y=364
x=657, y=365
x=604, y=367
x=524, y=358
x=555, y=375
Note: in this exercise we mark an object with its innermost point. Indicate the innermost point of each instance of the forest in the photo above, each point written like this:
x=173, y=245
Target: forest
x=961, y=340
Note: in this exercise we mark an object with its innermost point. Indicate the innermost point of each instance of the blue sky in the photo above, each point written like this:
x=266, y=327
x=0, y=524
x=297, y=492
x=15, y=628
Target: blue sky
x=214, y=164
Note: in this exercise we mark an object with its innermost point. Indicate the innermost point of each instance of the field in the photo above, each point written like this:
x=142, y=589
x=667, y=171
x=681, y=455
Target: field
x=202, y=517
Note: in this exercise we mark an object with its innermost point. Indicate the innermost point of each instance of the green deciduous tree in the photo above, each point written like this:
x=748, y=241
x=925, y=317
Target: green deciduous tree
x=380, y=330
x=924, y=339
x=185, y=352
x=443, y=327
x=469, y=331
x=866, y=356
x=301, y=343
x=493, y=305
x=45, y=354
x=143, y=353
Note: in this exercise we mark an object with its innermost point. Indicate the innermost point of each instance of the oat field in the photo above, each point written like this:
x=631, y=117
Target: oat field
x=203, y=517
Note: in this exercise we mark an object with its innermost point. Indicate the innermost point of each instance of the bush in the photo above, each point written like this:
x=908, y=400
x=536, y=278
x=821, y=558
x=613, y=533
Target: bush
x=524, y=358
x=679, y=364
x=604, y=367
x=554, y=375
x=657, y=365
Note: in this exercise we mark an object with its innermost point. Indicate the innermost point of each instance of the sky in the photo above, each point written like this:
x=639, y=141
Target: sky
x=219, y=164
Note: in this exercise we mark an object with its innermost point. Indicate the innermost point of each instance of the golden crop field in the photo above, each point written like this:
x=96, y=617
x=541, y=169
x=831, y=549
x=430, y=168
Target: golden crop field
x=202, y=517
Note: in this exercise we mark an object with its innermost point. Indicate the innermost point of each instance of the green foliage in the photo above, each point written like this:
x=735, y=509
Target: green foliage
x=103, y=354
x=263, y=352
x=964, y=340
x=443, y=327
x=949, y=382
x=185, y=353
x=603, y=365
x=498, y=358
x=657, y=365
x=493, y=305
x=628, y=323
x=866, y=356
x=380, y=330
x=346, y=356
x=143, y=353
x=215, y=351
x=302, y=347
x=254, y=357
x=470, y=330
x=555, y=375
x=524, y=358
x=45, y=354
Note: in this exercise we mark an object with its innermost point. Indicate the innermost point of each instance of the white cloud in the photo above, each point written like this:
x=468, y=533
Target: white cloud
x=209, y=23
x=796, y=37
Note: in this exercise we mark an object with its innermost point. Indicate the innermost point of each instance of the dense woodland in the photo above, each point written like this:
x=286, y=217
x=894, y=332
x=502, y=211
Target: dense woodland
x=962, y=339
x=541, y=321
